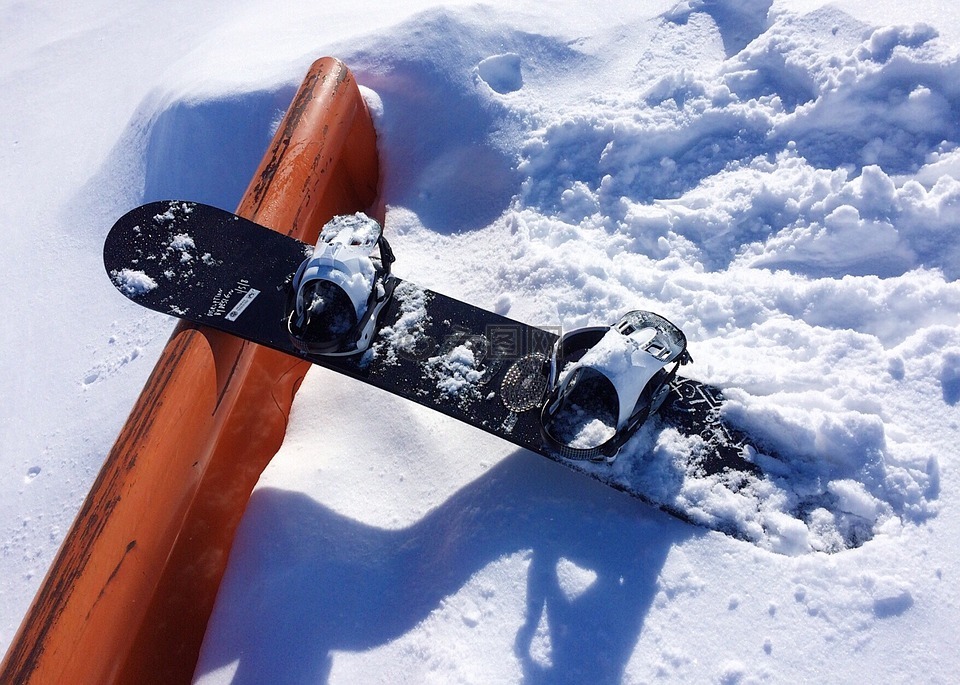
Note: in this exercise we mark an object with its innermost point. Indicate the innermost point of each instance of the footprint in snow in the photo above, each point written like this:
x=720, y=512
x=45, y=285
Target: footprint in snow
x=501, y=72
x=950, y=377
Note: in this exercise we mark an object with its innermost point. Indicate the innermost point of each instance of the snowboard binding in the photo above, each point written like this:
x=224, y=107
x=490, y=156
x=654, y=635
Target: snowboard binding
x=604, y=382
x=339, y=291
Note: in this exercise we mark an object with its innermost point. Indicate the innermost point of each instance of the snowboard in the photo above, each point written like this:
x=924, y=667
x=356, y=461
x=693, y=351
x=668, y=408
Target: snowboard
x=213, y=268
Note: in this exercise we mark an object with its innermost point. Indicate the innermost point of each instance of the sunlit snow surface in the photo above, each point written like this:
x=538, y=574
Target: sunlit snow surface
x=781, y=184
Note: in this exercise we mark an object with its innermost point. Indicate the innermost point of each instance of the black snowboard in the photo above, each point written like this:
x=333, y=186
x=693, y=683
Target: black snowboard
x=216, y=269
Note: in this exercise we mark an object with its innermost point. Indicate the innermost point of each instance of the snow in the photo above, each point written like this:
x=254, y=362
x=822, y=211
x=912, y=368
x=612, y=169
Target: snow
x=581, y=429
x=457, y=371
x=783, y=185
x=182, y=242
x=352, y=229
x=133, y=282
x=402, y=337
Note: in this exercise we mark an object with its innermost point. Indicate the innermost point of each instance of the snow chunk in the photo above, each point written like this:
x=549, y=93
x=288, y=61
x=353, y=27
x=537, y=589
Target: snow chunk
x=165, y=216
x=182, y=241
x=574, y=580
x=404, y=337
x=732, y=672
x=184, y=208
x=853, y=498
x=133, y=283
x=582, y=428
x=352, y=229
x=890, y=596
x=883, y=41
x=456, y=371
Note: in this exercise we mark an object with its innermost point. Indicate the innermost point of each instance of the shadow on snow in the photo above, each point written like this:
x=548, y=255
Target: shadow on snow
x=311, y=581
x=208, y=150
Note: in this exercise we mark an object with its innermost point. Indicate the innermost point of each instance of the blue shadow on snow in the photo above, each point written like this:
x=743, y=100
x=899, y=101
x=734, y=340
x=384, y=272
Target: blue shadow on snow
x=208, y=150
x=313, y=581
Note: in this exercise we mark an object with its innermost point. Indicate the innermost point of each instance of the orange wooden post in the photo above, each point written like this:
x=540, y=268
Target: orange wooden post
x=129, y=594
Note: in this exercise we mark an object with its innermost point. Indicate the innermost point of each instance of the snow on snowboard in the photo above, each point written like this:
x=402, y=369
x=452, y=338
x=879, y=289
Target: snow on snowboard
x=213, y=268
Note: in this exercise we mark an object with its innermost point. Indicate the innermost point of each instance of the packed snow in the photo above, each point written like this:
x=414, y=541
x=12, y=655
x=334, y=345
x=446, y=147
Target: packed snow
x=182, y=242
x=583, y=428
x=133, y=282
x=456, y=371
x=781, y=180
x=352, y=229
x=404, y=337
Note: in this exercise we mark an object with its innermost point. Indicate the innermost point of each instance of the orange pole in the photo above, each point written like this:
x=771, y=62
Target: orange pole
x=129, y=594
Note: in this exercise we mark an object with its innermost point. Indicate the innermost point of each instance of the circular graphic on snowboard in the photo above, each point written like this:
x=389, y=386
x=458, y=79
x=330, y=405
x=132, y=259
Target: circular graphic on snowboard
x=524, y=383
